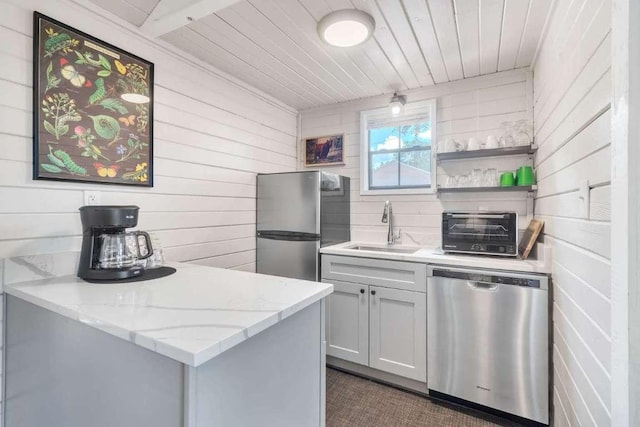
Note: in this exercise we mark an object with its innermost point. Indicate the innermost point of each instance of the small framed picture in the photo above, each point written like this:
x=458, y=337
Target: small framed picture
x=324, y=150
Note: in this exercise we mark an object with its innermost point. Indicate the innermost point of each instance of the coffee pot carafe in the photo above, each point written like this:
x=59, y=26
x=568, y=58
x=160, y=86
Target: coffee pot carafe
x=123, y=250
x=108, y=251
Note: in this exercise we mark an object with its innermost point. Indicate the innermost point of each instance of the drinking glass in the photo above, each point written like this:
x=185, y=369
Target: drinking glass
x=464, y=181
x=523, y=132
x=157, y=258
x=450, y=146
x=491, y=177
x=452, y=181
x=492, y=142
x=476, y=178
x=507, y=139
x=474, y=144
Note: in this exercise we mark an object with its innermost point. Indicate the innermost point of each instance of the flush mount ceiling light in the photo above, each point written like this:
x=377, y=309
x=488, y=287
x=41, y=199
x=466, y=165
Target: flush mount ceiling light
x=346, y=27
x=397, y=103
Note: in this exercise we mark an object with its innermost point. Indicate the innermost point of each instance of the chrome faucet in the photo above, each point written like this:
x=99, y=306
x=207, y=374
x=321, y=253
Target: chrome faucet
x=387, y=218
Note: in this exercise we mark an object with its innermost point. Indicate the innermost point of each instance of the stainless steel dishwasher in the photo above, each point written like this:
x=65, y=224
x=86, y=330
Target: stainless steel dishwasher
x=488, y=339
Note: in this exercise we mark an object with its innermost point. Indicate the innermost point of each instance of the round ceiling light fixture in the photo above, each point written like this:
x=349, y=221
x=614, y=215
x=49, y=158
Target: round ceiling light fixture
x=346, y=27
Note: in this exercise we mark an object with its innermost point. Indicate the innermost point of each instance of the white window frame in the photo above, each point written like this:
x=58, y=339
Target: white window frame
x=364, y=148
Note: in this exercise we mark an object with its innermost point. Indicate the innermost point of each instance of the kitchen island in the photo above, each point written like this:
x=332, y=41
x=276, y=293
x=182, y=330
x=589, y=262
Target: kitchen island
x=202, y=347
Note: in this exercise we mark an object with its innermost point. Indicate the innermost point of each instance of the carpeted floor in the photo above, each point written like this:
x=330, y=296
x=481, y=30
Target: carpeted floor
x=353, y=401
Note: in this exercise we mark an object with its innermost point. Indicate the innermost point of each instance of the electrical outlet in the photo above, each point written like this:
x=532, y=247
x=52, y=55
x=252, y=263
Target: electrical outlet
x=91, y=198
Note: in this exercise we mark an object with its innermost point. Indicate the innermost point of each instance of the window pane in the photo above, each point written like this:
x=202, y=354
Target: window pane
x=384, y=139
x=383, y=170
x=415, y=168
x=416, y=135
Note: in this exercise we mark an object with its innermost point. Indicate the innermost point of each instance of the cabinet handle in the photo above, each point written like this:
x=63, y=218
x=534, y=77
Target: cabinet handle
x=362, y=291
x=373, y=292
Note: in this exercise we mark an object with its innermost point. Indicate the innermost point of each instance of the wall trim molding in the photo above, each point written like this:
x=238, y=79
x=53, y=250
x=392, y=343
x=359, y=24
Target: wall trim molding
x=625, y=220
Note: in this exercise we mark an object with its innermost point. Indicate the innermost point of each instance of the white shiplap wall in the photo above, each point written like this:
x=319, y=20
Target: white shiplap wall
x=572, y=95
x=212, y=135
x=473, y=107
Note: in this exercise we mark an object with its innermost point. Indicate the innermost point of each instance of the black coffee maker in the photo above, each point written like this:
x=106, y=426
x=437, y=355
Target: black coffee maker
x=108, y=251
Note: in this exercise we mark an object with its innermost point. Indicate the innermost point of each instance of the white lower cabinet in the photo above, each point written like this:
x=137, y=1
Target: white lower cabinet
x=347, y=322
x=398, y=332
x=378, y=326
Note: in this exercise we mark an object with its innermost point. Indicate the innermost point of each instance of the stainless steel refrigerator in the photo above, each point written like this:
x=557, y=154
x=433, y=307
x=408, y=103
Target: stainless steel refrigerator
x=297, y=213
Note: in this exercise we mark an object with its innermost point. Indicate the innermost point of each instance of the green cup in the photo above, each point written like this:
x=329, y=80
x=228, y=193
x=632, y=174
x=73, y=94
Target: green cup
x=525, y=176
x=507, y=179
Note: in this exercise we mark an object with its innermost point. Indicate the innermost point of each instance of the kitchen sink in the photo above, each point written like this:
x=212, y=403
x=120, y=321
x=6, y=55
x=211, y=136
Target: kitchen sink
x=383, y=249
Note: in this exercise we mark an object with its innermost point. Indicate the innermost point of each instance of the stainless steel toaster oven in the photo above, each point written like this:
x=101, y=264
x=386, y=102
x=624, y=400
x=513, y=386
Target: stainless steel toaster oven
x=487, y=233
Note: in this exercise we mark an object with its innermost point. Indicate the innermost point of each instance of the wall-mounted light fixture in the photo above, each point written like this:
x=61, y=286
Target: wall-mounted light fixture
x=397, y=103
x=346, y=27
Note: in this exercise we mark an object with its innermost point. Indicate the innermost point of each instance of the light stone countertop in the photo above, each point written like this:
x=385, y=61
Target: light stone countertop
x=191, y=316
x=541, y=265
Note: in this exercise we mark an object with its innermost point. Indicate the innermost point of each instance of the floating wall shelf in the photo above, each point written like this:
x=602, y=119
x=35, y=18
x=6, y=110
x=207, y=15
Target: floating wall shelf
x=524, y=188
x=493, y=152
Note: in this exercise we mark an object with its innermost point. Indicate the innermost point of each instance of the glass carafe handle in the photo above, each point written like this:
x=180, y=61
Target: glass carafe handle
x=148, y=244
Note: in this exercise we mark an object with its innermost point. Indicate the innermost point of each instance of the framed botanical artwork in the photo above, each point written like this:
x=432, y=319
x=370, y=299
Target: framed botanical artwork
x=324, y=150
x=92, y=109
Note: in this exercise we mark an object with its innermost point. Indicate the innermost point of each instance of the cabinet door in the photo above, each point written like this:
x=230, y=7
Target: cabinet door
x=347, y=322
x=398, y=332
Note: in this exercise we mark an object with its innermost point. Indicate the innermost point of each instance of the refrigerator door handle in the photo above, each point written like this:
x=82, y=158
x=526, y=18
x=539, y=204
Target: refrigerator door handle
x=288, y=235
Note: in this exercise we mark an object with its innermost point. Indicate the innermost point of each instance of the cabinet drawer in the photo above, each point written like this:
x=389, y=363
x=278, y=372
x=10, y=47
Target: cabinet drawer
x=409, y=276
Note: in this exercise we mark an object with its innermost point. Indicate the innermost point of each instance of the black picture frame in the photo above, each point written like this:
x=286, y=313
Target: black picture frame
x=78, y=81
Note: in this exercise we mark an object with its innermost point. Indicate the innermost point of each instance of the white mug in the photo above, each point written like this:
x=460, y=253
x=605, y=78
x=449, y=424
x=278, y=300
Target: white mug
x=474, y=144
x=492, y=142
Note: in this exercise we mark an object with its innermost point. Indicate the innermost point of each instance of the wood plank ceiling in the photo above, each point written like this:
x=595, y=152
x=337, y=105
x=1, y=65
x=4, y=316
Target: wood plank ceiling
x=273, y=44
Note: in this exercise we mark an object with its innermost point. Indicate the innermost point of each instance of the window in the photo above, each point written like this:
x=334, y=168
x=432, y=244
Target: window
x=396, y=150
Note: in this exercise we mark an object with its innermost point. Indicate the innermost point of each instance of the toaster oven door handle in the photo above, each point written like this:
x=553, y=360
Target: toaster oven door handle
x=482, y=216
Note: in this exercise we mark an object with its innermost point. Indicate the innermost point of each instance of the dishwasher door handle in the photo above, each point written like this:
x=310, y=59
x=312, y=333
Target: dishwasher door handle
x=483, y=285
